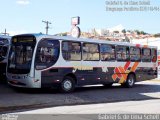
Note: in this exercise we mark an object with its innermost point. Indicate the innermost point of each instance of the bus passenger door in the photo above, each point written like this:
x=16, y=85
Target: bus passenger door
x=46, y=59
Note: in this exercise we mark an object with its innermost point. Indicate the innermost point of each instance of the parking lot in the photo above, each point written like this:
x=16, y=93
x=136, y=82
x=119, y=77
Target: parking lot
x=12, y=100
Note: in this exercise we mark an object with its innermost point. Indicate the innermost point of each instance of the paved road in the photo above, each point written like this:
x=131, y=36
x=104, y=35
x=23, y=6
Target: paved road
x=137, y=110
x=11, y=100
x=129, y=107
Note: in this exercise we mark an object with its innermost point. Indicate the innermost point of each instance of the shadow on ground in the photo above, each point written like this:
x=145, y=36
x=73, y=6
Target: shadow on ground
x=26, y=99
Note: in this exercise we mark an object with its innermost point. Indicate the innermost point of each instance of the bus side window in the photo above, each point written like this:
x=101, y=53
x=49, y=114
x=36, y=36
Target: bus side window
x=154, y=55
x=71, y=50
x=122, y=53
x=135, y=54
x=107, y=52
x=47, y=53
x=146, y=55
x=90, y=51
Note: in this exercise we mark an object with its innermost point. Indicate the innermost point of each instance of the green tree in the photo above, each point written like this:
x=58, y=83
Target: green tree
x=138, y=32
x=124, y=31
x=116, y=31
x=157, y=35
x=129, y=31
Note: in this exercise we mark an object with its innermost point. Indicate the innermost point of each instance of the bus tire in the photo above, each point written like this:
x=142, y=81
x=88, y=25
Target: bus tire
x=130, y=81
x=67, y=85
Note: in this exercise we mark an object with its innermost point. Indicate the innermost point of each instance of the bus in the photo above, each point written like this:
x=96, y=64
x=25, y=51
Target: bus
x=4, y=50
x=46, y=61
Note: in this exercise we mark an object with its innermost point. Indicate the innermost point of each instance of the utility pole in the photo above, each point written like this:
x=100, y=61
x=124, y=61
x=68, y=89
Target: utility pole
x=5, y=32
x=47, y=25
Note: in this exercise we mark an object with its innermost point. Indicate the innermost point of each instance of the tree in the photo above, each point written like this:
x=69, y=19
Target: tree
x=142, y=32
x=129, y=31
x=138, y=32
x=124, y=31
x=157, y=35
x=116, y=31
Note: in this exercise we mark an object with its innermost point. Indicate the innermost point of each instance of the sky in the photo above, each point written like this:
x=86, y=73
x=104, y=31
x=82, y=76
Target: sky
x=25, y=16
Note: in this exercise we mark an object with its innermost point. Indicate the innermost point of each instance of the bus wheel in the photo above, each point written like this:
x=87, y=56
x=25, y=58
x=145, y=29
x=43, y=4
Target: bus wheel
x=130, y=81
x=67, y=85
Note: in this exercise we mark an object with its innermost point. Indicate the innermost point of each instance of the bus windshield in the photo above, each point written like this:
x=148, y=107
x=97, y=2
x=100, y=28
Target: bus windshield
x=20, y=56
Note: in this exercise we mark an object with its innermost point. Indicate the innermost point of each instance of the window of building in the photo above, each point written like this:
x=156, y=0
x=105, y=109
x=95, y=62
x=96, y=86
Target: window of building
x=135, y=54
x=107, y=52
x=90, y=51
x=146, y=55
x=71, y=50
x=122, y=53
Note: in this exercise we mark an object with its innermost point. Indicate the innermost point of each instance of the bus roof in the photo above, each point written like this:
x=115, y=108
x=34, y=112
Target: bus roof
x=5, y=36
x=70, y=38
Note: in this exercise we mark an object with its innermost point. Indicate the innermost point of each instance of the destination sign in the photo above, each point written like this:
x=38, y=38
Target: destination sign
x=23, y=39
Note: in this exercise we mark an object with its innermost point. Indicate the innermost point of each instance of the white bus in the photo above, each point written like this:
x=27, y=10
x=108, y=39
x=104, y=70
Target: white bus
x=4, y=49
x=37, y=61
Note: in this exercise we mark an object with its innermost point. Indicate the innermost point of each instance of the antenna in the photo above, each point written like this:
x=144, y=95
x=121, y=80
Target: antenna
x=47, y=25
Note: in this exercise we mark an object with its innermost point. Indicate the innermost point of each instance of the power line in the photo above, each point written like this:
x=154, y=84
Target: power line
x=47, y=25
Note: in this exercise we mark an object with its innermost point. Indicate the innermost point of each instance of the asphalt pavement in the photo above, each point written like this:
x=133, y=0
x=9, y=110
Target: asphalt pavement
x=29, y=99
